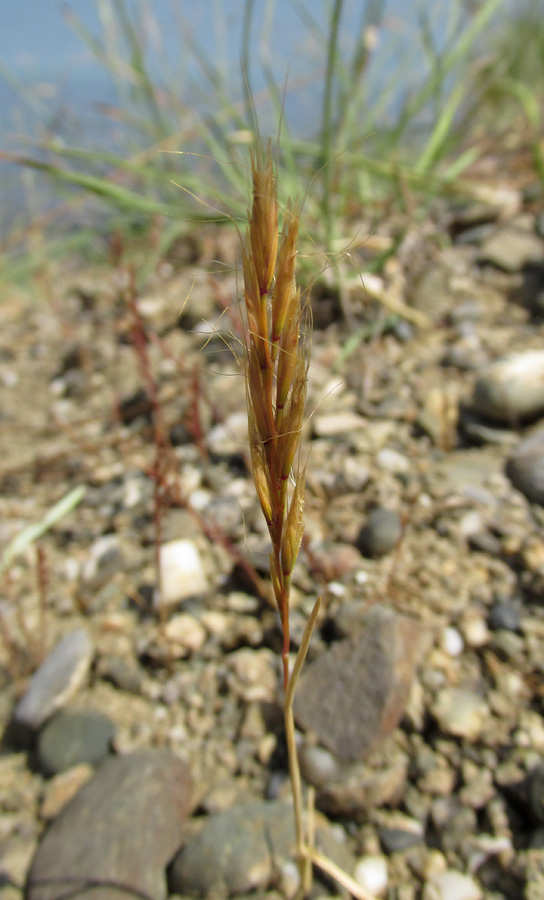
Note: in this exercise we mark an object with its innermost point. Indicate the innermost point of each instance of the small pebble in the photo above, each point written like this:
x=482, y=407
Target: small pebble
x=381, y=532
x=392, y=461
x=104, y=560
x=511, y=388
x=229, y=438
x=337, y=424
x=182, y=572
x=536, y=793
x=475, y=631
x=371, y=874
x=400, y=833
x=452, y=885
x=461, y=713
x=125, y=675
x=525, y=468
x=319, y=767
x=452, y=641
x=186, y=632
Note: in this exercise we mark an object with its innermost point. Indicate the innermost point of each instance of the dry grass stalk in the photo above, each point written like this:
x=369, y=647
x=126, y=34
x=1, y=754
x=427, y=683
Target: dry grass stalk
x=276, y=376
x=276, y=369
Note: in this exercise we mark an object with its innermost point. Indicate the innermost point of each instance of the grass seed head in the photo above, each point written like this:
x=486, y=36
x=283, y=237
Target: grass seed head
x=276, y=372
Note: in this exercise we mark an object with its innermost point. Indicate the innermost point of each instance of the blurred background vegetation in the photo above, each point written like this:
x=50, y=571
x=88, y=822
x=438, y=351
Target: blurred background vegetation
x=372, y=108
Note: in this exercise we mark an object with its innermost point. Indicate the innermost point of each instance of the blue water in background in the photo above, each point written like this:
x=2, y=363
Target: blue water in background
x=53, y=74
x=51, y=85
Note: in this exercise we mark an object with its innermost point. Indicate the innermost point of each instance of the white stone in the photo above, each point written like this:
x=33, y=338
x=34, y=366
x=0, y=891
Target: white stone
x=333, y=424
x=361, y=577
x=392, y=461
x=371, y=874
x=452, y=885
x=200, y=499
x=452, y=641
x=182, y=572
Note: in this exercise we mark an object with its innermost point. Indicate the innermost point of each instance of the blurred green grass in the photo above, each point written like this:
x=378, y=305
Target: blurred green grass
x=186, y=162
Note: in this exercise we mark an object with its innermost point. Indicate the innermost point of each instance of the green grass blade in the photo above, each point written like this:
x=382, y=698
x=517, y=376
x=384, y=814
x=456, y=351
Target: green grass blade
x=32, y=533
x=435, y=145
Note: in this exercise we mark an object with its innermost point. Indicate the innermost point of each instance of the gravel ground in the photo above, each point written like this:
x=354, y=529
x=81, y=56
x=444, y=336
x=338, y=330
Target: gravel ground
x=420, y=711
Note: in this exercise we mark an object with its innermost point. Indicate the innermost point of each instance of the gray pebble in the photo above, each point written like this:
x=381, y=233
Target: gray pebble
x=399, y=839
x=381, y=532
x=226, y=514
x=526, y=468
x=536, y=793
x=71, y=738
x=505, y=615
x=124, y=675
x=318, y=766
x=57, y=680
x=104, y=560
x=236, y=851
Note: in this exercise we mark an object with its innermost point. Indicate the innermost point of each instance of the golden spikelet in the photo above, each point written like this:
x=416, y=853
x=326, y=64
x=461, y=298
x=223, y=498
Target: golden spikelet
x=276, y=372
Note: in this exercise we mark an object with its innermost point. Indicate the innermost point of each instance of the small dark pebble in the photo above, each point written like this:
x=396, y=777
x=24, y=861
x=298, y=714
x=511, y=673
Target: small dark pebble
x=485, y=542
x=536, y=793
x=393, y=839
x=136, y=405
x=537, y=839
x=526, y=472
x=505, y=615
x=381, y=532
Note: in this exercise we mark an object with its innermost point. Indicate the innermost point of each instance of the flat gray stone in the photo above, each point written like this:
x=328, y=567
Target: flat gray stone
x=115, y=838
x=71, y=738
x=352, y=696
x=236, y=851
x=57, y=680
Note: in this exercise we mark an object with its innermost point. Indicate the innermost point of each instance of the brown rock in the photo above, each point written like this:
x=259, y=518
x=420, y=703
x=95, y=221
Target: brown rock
x=354, y=695
x=114, y=840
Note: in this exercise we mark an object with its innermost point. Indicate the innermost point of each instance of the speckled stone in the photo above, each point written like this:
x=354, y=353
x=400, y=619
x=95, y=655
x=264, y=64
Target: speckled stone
x=114, y=839
x=353, y=695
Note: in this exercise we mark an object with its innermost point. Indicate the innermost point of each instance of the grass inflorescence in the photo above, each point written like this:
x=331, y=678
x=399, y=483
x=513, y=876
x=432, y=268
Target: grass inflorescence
x=276, y=374
x=276, y=369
